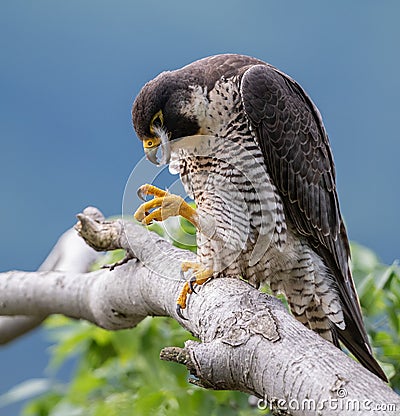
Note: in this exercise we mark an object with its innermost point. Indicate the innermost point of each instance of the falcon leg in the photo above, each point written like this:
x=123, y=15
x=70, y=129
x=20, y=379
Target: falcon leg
x=161, y=207
x=200, y=276
x=168, y=205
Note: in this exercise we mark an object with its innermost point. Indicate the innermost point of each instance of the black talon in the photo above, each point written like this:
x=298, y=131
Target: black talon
x=141, y=194
x=191, y=281
x=179, y=312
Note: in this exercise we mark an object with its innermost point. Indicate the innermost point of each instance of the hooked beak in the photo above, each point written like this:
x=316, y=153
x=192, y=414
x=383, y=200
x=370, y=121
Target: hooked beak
x=150, y=147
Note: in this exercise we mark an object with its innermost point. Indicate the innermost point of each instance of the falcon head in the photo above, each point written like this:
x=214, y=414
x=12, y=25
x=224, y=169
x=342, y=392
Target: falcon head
x=167, y=108
x=175, y=103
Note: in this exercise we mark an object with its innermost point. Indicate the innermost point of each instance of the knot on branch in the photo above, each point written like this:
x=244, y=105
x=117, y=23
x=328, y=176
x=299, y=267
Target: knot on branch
x=98, y=233
x=244, y=323
x=185, y=356
x=178, y=355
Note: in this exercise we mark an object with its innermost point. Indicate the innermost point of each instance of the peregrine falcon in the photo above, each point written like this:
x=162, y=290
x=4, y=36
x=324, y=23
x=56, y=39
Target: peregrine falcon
x=252, y=151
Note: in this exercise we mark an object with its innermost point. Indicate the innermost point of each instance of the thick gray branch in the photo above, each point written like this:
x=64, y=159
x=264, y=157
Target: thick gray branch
x=69, y=254
x=248, y=340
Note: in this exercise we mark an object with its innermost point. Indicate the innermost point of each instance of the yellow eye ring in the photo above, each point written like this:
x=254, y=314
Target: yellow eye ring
x=150, y=143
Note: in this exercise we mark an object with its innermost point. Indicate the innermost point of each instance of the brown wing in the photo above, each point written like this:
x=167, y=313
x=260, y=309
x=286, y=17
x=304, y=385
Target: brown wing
x=298, y=157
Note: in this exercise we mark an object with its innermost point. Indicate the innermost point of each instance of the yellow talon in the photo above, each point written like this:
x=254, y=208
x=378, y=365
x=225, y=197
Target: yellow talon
x=192, y=265
x=165, y=205
x=168, y=205
x=200, y=276
x=150, y=190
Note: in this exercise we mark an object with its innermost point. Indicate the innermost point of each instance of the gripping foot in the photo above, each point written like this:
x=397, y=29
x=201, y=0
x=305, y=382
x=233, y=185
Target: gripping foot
x=200, y=276
x=166, y=204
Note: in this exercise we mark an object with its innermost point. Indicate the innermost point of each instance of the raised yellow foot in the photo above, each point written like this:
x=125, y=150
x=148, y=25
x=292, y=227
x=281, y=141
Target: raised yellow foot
x=168, y=205
x=200, y=276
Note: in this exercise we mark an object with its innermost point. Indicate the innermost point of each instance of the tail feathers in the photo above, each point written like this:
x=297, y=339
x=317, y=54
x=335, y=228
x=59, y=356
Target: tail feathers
x=355, y=342
x=354, y=335
x=314, y=318
x=354, y=338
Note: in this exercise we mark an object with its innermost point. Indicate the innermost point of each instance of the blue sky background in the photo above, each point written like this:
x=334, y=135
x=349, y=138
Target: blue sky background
x=69, y=71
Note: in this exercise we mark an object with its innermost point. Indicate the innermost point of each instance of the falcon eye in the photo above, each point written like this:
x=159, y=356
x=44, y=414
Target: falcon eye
x=156, y=121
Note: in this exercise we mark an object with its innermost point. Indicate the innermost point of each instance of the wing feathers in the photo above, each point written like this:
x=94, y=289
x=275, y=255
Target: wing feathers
x=297, y=154
x=297, y=151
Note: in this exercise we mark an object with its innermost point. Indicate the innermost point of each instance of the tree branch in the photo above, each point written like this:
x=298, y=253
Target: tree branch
x=69, y=254
x=248, y=341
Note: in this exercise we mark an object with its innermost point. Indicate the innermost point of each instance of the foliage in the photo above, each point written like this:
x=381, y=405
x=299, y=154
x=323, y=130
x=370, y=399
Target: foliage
x=378, y=287
x=119, y=373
